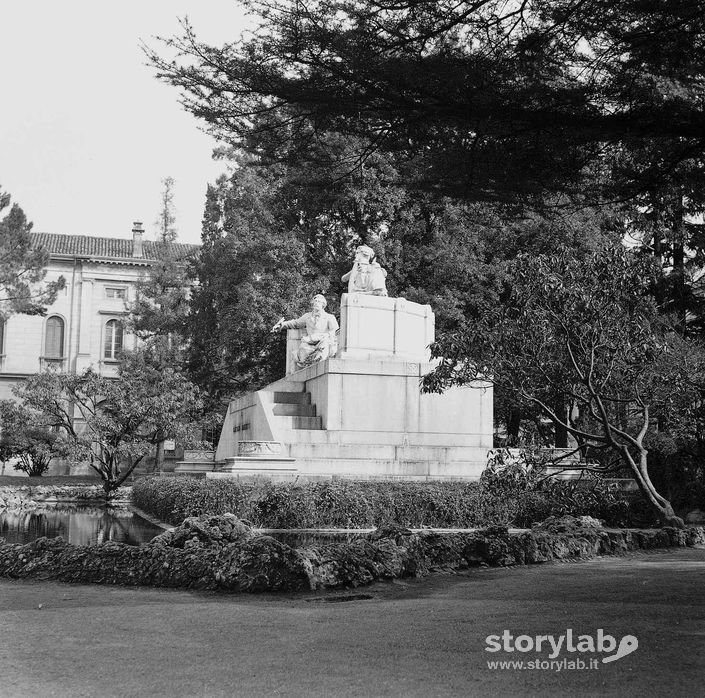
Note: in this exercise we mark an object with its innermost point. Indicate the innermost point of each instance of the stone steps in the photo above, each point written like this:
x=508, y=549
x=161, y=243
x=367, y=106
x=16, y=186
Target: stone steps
x=331, y=451
x=294, y=411
x=380, y=438
x=309, y=423
x=291, y=397
x=389, y=469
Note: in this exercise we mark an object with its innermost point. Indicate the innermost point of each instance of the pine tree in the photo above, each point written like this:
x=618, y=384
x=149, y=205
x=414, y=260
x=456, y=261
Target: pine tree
x=22, y=266
x=166, y=222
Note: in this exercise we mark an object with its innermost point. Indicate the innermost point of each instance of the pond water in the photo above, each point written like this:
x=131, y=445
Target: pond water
x=82, y=524
x=77, y=524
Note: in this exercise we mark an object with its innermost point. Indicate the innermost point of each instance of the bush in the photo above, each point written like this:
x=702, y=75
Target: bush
x=521, y=477
x=174, y=499
x=370, y=504
x=28, y=437
x=677, y=469
x=509, y=472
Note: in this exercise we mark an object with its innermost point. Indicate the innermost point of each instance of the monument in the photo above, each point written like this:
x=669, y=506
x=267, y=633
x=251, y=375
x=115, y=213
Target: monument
x=350, y=404
x=320, y=341
x=366, y=276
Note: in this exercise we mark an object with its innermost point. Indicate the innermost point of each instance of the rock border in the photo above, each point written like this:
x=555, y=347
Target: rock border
x=223, y=553
x=31, y=496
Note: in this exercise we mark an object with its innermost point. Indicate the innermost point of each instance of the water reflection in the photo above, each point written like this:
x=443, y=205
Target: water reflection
x=77, y=524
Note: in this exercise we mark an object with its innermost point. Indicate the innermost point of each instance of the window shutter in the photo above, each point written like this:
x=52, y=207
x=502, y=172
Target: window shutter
x=113, y=339
x=54, y=344
x=118, y=339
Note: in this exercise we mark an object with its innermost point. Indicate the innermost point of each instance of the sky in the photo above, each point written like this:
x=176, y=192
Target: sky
x=87, y=133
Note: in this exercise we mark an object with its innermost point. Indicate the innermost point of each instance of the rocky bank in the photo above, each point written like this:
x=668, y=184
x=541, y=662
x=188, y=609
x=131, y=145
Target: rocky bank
x=223, y=553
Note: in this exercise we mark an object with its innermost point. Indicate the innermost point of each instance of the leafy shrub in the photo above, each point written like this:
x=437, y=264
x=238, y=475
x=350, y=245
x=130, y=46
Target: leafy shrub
x=677, y=469
x=509, y=471
x=174, y=499
x=522, y=477
x=368, y=504
x=28, y=437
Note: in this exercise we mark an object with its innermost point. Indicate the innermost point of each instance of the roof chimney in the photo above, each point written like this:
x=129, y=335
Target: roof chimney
x=137, y=233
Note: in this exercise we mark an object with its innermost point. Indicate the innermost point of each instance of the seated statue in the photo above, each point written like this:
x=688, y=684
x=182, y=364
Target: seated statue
x=366, y=276
x=320, y=340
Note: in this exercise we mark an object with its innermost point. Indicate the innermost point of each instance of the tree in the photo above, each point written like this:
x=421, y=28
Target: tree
x=251, y=271
x=522, y=103
x=159, y=315
x=166, y=222
x=312, y=213
x=587, y=331
x=490, y=100
x=28, y=435
x=112, y=424
x=159, y=318
x=22, y=267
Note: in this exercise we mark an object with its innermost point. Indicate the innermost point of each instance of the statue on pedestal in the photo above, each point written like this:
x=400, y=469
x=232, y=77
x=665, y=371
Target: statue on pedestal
x=319, y=342
x=366, y=276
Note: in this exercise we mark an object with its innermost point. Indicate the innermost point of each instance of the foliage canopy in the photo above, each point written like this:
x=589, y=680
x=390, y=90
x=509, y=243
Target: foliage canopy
x=584, y=332
x=112, y=424
x=22, y=266
x=28, y=436
x=483, y=100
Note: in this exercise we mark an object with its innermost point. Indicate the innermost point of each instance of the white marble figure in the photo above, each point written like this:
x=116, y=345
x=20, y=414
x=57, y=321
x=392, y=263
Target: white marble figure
x=320, y=341
x=366, y=276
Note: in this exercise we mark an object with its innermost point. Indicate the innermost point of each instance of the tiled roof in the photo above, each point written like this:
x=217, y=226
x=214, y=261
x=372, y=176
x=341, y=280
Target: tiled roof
x=109, y=248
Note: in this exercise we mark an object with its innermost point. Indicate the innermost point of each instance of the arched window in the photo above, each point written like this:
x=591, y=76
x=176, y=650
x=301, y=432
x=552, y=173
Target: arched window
x=113, y=339
x=54, y=339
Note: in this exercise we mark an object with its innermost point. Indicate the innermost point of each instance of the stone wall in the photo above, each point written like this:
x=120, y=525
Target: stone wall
x=221, y=552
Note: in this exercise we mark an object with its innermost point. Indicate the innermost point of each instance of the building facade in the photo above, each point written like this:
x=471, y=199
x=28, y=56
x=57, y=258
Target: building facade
x=85, y=326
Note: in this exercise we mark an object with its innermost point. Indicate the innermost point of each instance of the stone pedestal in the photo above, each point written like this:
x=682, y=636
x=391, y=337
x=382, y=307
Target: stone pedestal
x=195, y=461
x=361, y=414
x=381, y=328
x=257, y=459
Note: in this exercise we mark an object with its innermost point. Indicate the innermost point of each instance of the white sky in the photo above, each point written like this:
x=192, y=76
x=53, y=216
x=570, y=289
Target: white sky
x=87, y=133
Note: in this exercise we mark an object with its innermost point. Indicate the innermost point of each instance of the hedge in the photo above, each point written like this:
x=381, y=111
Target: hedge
x=371, y=504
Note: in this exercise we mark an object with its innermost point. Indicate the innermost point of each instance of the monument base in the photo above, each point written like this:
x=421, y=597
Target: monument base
x=277, y=468
x=193, y=468
x=362, y=414
x=363, y=420
x=195, y=462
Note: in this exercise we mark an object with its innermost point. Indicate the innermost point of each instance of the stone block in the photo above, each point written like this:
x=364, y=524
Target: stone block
x=376, y=327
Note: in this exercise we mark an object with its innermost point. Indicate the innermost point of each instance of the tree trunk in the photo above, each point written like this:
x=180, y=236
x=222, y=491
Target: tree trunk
x=513, y=424
x=680, y=301
x=107, y=488
x=561, y=431
x=657, y=501
x=159, y=456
